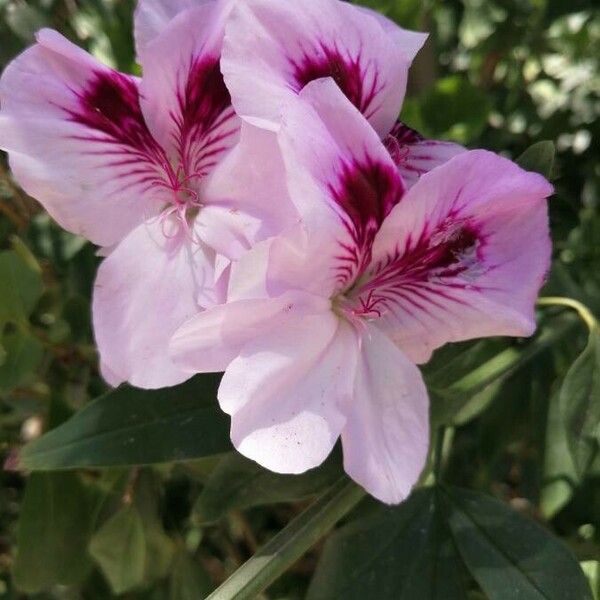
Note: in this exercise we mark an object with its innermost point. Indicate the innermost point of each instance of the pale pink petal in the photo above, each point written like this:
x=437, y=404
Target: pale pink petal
x=209, y=341
x=409, y=41
x=184, y=98
x=414, y=155
x=340, y=177
x=285, y=390
x=77, y=140
x=386, y=436
x=273, y=49
x=144, y=291
x=152, y=16
x=249, y=201
x=462, y=256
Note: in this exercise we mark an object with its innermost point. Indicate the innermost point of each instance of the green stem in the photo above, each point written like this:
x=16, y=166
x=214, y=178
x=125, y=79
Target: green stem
x=584, y=312
x=275, y=557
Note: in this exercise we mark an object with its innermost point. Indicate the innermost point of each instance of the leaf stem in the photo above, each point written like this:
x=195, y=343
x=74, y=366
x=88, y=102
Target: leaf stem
x=277, y=555
x=584, y=312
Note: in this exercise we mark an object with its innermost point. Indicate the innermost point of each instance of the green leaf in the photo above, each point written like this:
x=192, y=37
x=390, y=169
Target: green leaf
x=128, y=426
x=509, y=555
x=189, y=581
x=24, y=354
x=55, y=525
x=159, y=546
x=591, y=568
x=462, y=384
x=400, y=553
x=560, y=477
x=21, y=287
x=119, y=548
x=239, y=483
x=290, y=544
x=580, y=404
x=539, y=157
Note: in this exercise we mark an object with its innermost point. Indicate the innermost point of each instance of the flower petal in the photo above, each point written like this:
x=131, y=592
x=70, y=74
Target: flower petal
x=210, y=340
x=152, y=16
x=340, y=177
x=462, y=256
x=386, y=436
x=145, y=289
x=284, y=391
x=273, y=49
x=77, y=140
x=184, y=98
x=414, y=155
x=249, y=201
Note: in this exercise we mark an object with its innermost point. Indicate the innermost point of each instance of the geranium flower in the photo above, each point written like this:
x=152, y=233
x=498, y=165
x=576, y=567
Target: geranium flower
x=273, y=48
x=130, y=165
x=324, y=324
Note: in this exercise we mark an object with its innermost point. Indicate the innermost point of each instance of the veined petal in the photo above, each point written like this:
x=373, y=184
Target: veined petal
x=145, y=289
x=463, y=256
x=152, y=16
x=210, y=340
x=386, y=436
x=340, y=177
x=184, y=98
x=78, y=142
x=285, y=390
x=414, y=155
x=248, y=195
x=273, y=49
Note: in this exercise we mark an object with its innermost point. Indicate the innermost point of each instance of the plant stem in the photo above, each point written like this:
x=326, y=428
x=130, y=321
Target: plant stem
x=584, y=312
x=291, y=543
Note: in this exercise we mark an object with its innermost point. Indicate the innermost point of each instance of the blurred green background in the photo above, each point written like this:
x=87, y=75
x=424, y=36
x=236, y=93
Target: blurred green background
x=496, y=74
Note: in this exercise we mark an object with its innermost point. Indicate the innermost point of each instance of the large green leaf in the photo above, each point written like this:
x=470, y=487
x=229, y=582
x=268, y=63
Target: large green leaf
x=509, y=555
x=580, y=404
x=119, y=547
x=134, y=427
x=419, y=550
x=239, y=483
x=21, y=287
x=55, y=525
x=402, y=553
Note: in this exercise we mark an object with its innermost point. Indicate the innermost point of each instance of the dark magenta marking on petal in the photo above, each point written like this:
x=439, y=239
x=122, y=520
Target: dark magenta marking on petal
x=359, y=82
x=109, y=105
x=205, y=120
x=399, y=140
x=364, y=195
x=424, y=270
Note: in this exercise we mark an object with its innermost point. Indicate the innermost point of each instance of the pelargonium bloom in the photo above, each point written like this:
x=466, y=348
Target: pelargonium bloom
x=324, y=324
x=273, y=48
x=130, y=165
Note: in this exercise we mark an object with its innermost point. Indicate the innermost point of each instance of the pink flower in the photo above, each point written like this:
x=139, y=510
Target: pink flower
x=324, y=324
x=273, y=48
x=130, y=165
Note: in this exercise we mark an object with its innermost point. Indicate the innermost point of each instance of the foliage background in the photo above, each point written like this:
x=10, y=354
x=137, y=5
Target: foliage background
x=497, y=74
